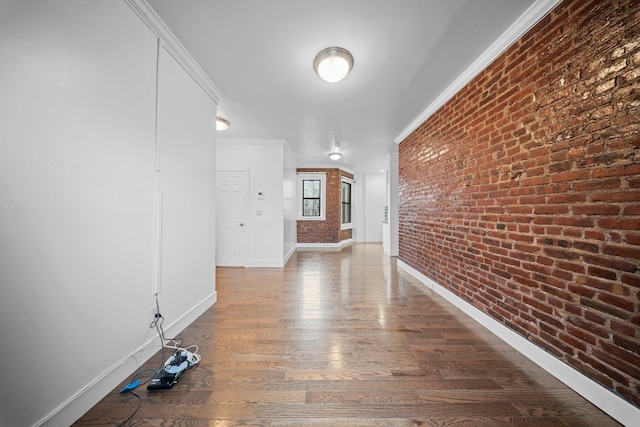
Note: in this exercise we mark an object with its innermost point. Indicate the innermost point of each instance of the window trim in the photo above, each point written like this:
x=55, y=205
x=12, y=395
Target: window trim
x=319, y=176
x=351, y=182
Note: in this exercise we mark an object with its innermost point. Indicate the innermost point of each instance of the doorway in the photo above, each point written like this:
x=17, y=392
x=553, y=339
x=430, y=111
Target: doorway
x=232, y=201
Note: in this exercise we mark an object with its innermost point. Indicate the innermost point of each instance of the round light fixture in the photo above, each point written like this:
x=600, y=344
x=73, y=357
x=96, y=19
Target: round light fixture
x=333, y=64
x=222, y=124
x=335, y=155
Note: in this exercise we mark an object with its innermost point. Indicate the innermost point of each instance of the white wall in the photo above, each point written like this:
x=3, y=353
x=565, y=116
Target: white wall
x=186, y=178
x=358, y=207
x=391, y=228
x=265, y=161
x=368, y=206
x=289, y=201
x=78, y=205
x=374, y=202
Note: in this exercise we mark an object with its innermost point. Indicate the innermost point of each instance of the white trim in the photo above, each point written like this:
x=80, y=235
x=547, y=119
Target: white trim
x=311, y=176
x=251, y=141
x=288, y=151
x=345, y=169
x=351, y=182
x=370, y=240
x=175, y=48
x=288, y=256
x=264, y=263
x=611, y=403
x=524, y=23
x=327, y=166
x=325, y=246
x=78, y=404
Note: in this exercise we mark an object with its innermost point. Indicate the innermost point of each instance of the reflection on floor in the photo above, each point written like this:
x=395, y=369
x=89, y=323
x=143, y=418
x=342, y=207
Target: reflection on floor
x=345, y=339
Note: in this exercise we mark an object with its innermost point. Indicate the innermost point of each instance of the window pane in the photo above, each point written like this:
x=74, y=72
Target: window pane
x=311, y=207
x=311, y=188
x=346, y=192
x=311, y=198
x=346, y=213
x=346, y=202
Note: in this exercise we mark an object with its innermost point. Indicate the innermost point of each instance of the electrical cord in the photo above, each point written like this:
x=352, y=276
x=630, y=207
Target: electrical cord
x=192, y=355
x=157, y=323
x=174, y=343
x=134, y=382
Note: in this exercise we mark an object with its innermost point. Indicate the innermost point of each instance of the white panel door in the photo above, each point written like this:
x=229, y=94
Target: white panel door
x=231, y=214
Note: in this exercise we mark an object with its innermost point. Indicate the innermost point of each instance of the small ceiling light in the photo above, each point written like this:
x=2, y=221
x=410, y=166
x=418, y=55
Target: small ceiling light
x=333, y=64
x=222, y=124
x=335, y=154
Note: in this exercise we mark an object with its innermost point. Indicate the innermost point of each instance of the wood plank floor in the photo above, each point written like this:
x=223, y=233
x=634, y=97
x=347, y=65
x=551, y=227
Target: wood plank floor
x=345, y=339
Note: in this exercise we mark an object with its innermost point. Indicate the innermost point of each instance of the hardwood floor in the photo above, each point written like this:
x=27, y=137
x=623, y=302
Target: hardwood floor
x=345, y=339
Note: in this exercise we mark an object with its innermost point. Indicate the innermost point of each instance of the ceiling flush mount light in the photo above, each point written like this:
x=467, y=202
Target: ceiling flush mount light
x=333, y=64
x=222, y=124
x=335, y=154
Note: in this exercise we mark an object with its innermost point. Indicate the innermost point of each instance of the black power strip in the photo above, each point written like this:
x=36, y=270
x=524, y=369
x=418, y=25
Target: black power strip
x=171, y=373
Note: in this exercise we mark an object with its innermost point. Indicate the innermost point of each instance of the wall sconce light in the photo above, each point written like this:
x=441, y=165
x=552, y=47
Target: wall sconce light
x=333, y=64
x=222, y=124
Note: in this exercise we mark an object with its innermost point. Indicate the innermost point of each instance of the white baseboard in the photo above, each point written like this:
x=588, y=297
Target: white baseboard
x=369, y=240
x=256, y=263
x=271, y=262
x=78, y=404
x=325, y=246
x=609, y=402
x=288, y=256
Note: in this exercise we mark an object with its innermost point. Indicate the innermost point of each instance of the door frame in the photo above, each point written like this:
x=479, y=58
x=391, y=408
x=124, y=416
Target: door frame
x=245, y=228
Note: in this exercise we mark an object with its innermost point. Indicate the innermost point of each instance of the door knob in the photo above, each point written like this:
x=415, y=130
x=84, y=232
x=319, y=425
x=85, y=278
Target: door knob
x=242, y=224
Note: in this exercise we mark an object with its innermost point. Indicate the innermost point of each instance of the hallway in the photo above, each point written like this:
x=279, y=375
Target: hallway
x=345, y=339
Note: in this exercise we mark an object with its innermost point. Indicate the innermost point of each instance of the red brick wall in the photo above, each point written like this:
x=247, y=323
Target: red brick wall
x=522, y=194
x=327, y=231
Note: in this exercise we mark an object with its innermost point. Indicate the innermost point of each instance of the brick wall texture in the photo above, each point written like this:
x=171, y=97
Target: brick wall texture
x=521, y=195
x=327, y=231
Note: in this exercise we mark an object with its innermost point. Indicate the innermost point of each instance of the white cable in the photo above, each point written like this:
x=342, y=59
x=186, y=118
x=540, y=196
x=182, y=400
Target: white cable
x=192, y=358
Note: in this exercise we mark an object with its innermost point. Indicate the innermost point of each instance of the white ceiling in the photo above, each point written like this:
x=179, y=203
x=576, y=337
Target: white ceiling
x=260, y=54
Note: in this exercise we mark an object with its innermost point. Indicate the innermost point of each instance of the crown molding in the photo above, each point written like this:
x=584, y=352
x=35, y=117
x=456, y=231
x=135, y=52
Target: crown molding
x=524, y=23
x=350, y=171
x=329, y=166
x=289, y=151
x=252, y=141
x=172, y=45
